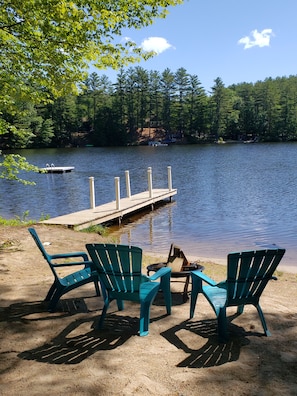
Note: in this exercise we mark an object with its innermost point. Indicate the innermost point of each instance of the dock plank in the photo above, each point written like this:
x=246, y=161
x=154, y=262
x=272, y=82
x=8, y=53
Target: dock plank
x=109, y=212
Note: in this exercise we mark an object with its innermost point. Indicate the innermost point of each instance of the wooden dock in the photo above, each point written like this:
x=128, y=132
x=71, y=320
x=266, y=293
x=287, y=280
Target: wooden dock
x=113, y=211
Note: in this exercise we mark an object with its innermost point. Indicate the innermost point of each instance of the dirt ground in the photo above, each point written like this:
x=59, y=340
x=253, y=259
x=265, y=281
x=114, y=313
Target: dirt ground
x=60, y=353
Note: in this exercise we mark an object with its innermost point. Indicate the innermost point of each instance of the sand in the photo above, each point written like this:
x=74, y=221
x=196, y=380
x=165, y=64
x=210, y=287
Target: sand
x=60, y=353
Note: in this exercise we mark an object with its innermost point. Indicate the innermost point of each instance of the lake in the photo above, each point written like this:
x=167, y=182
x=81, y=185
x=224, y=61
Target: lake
x=230, y=197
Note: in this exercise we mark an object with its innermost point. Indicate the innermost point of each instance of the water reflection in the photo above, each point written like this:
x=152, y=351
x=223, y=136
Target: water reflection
x=148, y=227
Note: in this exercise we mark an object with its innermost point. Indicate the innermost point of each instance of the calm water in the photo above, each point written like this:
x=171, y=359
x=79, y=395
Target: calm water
x=230, y=197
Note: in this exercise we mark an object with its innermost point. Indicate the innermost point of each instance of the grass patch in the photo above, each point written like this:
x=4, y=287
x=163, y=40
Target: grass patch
x=21, y=220
x=97, y=229
x=10, y=245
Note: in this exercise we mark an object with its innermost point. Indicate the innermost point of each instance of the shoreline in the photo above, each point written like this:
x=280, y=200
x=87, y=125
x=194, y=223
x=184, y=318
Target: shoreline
x=290, y=269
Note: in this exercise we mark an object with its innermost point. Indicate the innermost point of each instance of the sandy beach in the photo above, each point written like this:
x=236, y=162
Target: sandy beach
x=61, y=353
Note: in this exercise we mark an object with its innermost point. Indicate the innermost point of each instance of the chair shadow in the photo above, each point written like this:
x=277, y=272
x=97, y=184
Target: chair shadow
x=80, y=339
x=38, y=310
x=67, y=348
x=212, y=353
x=177, y=299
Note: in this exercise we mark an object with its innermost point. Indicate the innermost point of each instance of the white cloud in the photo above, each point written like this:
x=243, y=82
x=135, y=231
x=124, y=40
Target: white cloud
x=156, y=44
x=257, y=39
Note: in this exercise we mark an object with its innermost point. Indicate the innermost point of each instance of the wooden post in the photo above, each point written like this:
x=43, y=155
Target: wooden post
x=169, y=178
x=128, y=189
x=117, y=191
x=150, y=181
x=92, y=192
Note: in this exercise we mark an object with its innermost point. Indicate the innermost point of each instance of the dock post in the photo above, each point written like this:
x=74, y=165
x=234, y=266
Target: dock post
x=150, y=181
x=92, y=192
x=169, y=178
x=128, y=184
x=117, y=191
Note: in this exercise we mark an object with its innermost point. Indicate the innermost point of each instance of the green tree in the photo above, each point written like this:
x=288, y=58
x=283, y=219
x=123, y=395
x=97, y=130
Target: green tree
x=168, y=90
x=142, y=97
x=225, y=111
x=182, y=86
x=47, y=46
x=218, y=94
x=154, y=100
x=247, y=114
x=130, y=94
x=44, y=133
x=288, y=100
x=65, y=120
x=20, y=135
x=119, y=97
x=92, y=88
x=197, y=108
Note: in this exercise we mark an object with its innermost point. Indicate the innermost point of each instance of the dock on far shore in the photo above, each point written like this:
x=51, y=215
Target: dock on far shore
x=112, y=211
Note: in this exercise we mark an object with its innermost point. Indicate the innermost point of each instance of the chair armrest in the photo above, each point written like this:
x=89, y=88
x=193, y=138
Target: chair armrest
x=83, y=255
x=75, y=263
x=161, y=272
x=204, y=277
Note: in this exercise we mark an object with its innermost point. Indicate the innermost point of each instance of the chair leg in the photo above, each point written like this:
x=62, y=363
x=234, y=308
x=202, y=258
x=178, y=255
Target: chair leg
x=196, y=288
x=56, y=295
x=144, y=318
x=103, y=314
x=145, y=306
x=222, y=325
x=51, y=292
x=96, y=283
x=263, y=321
x=165, y=287
x=240, y=309
x=186, y=287
x=120, y=304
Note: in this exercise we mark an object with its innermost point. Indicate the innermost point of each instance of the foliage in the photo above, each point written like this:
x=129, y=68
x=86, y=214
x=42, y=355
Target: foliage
x=47, y=47
x=11, y=166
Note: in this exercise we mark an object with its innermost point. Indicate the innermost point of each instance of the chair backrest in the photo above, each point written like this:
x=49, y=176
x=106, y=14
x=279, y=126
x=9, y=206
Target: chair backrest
x=39, y=244
x=119, y=266
x=248, y=273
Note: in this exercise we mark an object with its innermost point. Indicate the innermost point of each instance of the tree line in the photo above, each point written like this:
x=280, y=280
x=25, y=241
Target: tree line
x=172, y=105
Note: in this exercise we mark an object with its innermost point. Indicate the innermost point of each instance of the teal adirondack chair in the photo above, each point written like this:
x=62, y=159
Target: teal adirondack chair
x=248, y=273
x=120, y=274
x=63, y=285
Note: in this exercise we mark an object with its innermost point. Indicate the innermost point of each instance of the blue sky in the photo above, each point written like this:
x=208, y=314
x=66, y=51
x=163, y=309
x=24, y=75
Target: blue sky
x=238, y=41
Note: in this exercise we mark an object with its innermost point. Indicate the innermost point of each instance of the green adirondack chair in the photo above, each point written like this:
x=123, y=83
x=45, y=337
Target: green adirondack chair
x=248, y=273
x=120, y=274
x=63, y=285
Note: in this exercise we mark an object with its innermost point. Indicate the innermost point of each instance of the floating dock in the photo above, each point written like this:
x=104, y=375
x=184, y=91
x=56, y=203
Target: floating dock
x=56, y=169
x=112, y=211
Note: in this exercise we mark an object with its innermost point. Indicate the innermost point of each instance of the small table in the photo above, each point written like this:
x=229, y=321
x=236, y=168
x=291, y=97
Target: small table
x=185, y=273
